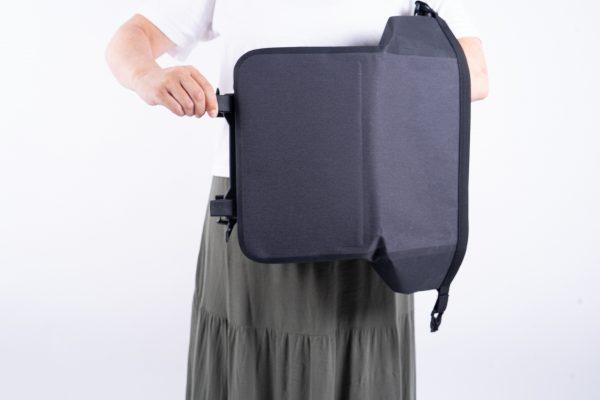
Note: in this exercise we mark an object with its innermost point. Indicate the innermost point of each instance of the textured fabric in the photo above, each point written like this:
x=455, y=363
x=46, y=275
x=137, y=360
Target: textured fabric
x=320, y=331
x=244, y=25
x=365, y=169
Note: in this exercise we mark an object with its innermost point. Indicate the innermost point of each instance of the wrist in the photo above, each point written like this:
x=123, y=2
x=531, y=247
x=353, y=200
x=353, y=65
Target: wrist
x=139, y=73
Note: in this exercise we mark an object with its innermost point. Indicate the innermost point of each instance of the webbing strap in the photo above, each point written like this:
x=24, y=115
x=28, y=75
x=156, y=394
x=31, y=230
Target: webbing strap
x=221, y=207
x=438, y=309
x=463, y=193
x=225, y=103
x=224, y=206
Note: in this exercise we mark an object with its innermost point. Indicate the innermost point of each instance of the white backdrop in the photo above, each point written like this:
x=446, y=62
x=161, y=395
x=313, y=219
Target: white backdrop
x=102, y=200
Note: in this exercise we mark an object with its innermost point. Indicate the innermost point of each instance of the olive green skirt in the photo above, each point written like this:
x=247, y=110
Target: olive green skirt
x=309, y=331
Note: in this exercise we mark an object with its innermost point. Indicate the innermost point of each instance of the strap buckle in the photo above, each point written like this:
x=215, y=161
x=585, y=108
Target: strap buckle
x=438, y=309
x=423, y=9
x=223, y=207
x=225, y=104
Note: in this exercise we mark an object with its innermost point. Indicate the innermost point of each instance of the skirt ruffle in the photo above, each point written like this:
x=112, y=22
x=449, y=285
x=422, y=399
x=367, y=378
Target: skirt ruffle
x=327, y=331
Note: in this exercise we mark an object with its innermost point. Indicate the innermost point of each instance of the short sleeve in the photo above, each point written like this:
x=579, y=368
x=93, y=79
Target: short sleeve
x=456, y=16
x=184, y=22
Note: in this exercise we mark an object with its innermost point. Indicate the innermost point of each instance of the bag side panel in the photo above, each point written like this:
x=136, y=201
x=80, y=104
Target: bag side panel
x=416, y=143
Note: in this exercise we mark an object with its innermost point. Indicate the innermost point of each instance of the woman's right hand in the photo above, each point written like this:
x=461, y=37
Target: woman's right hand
x=182, y=89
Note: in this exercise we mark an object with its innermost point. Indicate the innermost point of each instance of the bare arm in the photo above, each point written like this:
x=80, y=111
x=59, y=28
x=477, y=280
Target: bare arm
x=131, y=57
x=477, y=67
x=132, y=52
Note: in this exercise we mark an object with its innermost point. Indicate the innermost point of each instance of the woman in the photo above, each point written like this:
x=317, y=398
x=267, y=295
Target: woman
x=295, y=331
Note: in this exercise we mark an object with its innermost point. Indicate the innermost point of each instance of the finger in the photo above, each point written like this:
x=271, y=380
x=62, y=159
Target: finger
x=184, y=100
x=166, y=100
x=209, y=92
x=195, y=92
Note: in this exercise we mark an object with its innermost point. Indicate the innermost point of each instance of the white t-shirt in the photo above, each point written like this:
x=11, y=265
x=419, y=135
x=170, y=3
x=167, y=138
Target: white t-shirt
x=244, y=25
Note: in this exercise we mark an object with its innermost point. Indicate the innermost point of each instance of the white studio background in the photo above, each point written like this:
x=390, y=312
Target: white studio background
x=102, y=200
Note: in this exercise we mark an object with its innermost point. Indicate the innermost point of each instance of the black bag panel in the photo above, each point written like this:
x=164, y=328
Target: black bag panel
x=414, y=144
x=355, y=152
x=317, y=129
x=415, y=152
x=299, y=139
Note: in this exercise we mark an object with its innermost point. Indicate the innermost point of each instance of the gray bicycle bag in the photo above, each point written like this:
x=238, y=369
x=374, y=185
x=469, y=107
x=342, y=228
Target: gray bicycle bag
x=355, y=153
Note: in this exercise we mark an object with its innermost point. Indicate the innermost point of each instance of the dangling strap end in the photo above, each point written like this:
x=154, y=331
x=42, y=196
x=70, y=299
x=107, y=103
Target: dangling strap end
x=230, y=225
x=438, y=309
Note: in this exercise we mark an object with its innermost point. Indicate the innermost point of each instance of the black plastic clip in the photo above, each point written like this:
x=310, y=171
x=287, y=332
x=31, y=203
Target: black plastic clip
x=438, y=309
x=230, y=225
x=225, y=103
x=423, y=9
x=224, y=208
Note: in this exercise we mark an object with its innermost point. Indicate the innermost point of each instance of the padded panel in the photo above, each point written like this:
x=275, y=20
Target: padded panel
x=416, y=145
x=300, y=137
x=353, y=152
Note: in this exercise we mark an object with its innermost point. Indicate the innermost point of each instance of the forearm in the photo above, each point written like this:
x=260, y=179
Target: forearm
x=131, y=57
x=130, y=53
x=477, y=67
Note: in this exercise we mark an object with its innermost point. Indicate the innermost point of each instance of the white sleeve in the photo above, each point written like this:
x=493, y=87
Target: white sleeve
x=456, y=16
x=185, y=22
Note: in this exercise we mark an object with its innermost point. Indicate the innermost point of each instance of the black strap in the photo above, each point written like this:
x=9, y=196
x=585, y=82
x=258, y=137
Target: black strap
x=422, y=9
x=225, y=103
x=221, y=207
x=438, y=309
x=224, y=206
